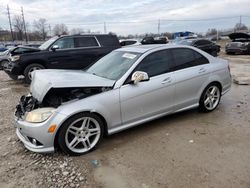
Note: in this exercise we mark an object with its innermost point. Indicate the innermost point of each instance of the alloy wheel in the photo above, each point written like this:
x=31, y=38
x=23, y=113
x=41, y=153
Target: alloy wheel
x=31, y=70
x=82, y=134
x=212, y=97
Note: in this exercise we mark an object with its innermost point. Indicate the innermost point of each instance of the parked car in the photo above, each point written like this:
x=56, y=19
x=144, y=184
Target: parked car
x=129, y=42
x=240, y=44
x=2, y=48
x=4, y=58
x=203, y=44
x=152, y=40
x=64, y=52
x=8, y=55
x=73, y=109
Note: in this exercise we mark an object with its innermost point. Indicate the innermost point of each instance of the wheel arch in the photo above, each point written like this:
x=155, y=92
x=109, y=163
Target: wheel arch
x=34, y=61
x=209, y=83
x=96, y=113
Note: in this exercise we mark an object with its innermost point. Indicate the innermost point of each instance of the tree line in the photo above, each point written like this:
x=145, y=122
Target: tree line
x=40, y=30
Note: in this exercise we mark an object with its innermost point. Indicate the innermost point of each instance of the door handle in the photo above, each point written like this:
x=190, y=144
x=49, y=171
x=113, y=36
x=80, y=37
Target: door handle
x=202, y=70
x=166, y=80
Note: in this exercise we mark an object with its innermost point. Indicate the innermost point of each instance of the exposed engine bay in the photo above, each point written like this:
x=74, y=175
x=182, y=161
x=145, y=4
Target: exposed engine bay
x=55, y=97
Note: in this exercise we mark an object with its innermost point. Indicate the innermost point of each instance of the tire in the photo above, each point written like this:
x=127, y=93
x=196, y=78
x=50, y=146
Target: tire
x=74, y=137
x=210, y=98
x=29, y=69
x=4, y=64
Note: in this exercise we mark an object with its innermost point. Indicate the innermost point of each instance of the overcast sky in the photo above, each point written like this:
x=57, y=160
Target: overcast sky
x=130, y=16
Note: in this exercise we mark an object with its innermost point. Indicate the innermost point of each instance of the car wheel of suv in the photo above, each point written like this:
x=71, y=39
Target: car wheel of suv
x=80, y=133
x=210, y=98
x=29, y=69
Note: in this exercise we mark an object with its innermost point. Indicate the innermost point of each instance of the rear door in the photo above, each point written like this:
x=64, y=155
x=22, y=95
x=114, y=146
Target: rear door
x=87, y=51
x=191, y=72
x=153, y=97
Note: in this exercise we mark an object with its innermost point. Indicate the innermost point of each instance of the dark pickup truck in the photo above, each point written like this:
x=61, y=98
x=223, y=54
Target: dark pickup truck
x=64, y=52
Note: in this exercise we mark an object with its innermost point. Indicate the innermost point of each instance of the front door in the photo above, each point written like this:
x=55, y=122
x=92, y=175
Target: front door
x=148, y=98
x=64, y=57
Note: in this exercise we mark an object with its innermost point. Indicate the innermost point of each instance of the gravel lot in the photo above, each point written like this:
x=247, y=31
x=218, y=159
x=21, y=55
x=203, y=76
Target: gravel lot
x=189, y=149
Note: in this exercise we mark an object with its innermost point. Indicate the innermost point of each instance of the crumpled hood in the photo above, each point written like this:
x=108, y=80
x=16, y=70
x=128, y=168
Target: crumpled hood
x=44, y=80
x=234, y=36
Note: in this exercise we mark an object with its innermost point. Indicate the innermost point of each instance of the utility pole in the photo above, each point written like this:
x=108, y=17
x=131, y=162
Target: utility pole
x=159, y=26
x=8, y=11
x=50, y=30
x=26, y=38
x=105, y=29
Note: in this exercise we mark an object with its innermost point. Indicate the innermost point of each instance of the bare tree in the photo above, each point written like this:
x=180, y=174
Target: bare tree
x=60, y=29
x=76, y=31
x=41, y=27
x=240, y=26
x=18, y=27
x=211, y=32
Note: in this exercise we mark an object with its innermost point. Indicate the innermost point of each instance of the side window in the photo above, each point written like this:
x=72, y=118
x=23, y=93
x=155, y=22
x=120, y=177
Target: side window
x=156, y=63
x=207, y=42
x=185, y=58
x=200, y=59
x=65, y=43
x=85, y=42
x=202, y=42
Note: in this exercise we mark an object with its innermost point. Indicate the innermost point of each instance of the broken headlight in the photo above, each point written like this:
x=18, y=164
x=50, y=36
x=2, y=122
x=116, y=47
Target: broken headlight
x=39, y=115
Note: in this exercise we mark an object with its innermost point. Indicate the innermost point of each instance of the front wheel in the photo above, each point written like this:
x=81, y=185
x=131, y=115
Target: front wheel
x=210, y=98
x=29, y=69
x=80, y=133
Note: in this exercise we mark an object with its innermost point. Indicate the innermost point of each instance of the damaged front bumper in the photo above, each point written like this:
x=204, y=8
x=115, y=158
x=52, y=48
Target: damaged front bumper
x=35, y=136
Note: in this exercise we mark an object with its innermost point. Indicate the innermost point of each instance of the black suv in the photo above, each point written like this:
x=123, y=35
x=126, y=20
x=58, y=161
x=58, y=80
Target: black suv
x=64, y=52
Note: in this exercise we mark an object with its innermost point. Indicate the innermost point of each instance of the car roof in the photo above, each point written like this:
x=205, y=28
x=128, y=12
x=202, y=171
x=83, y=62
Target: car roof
x=149, y=47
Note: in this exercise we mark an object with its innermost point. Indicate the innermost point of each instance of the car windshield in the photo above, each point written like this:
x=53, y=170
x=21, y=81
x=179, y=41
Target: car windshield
x=114, y=65
x=46, y=44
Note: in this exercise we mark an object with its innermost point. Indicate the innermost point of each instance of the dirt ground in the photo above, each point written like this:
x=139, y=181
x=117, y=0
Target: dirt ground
x=188, y=149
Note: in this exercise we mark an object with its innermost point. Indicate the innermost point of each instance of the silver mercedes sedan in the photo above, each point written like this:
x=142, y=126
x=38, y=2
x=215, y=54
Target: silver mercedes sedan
x=73, y=109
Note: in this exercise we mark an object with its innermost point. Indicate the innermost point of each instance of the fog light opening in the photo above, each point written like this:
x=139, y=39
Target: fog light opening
x=34, y=141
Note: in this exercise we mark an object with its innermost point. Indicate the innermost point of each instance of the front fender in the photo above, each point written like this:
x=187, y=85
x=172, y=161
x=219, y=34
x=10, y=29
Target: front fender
x=106, y=104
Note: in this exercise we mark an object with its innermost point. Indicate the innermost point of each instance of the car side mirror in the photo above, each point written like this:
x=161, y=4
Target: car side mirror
x=54, y=48
x=139, y=76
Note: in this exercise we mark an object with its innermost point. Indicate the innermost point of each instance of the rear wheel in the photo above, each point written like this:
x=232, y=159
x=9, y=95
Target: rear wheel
x=80, y=133
x=29, y=69
x=210, y=98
